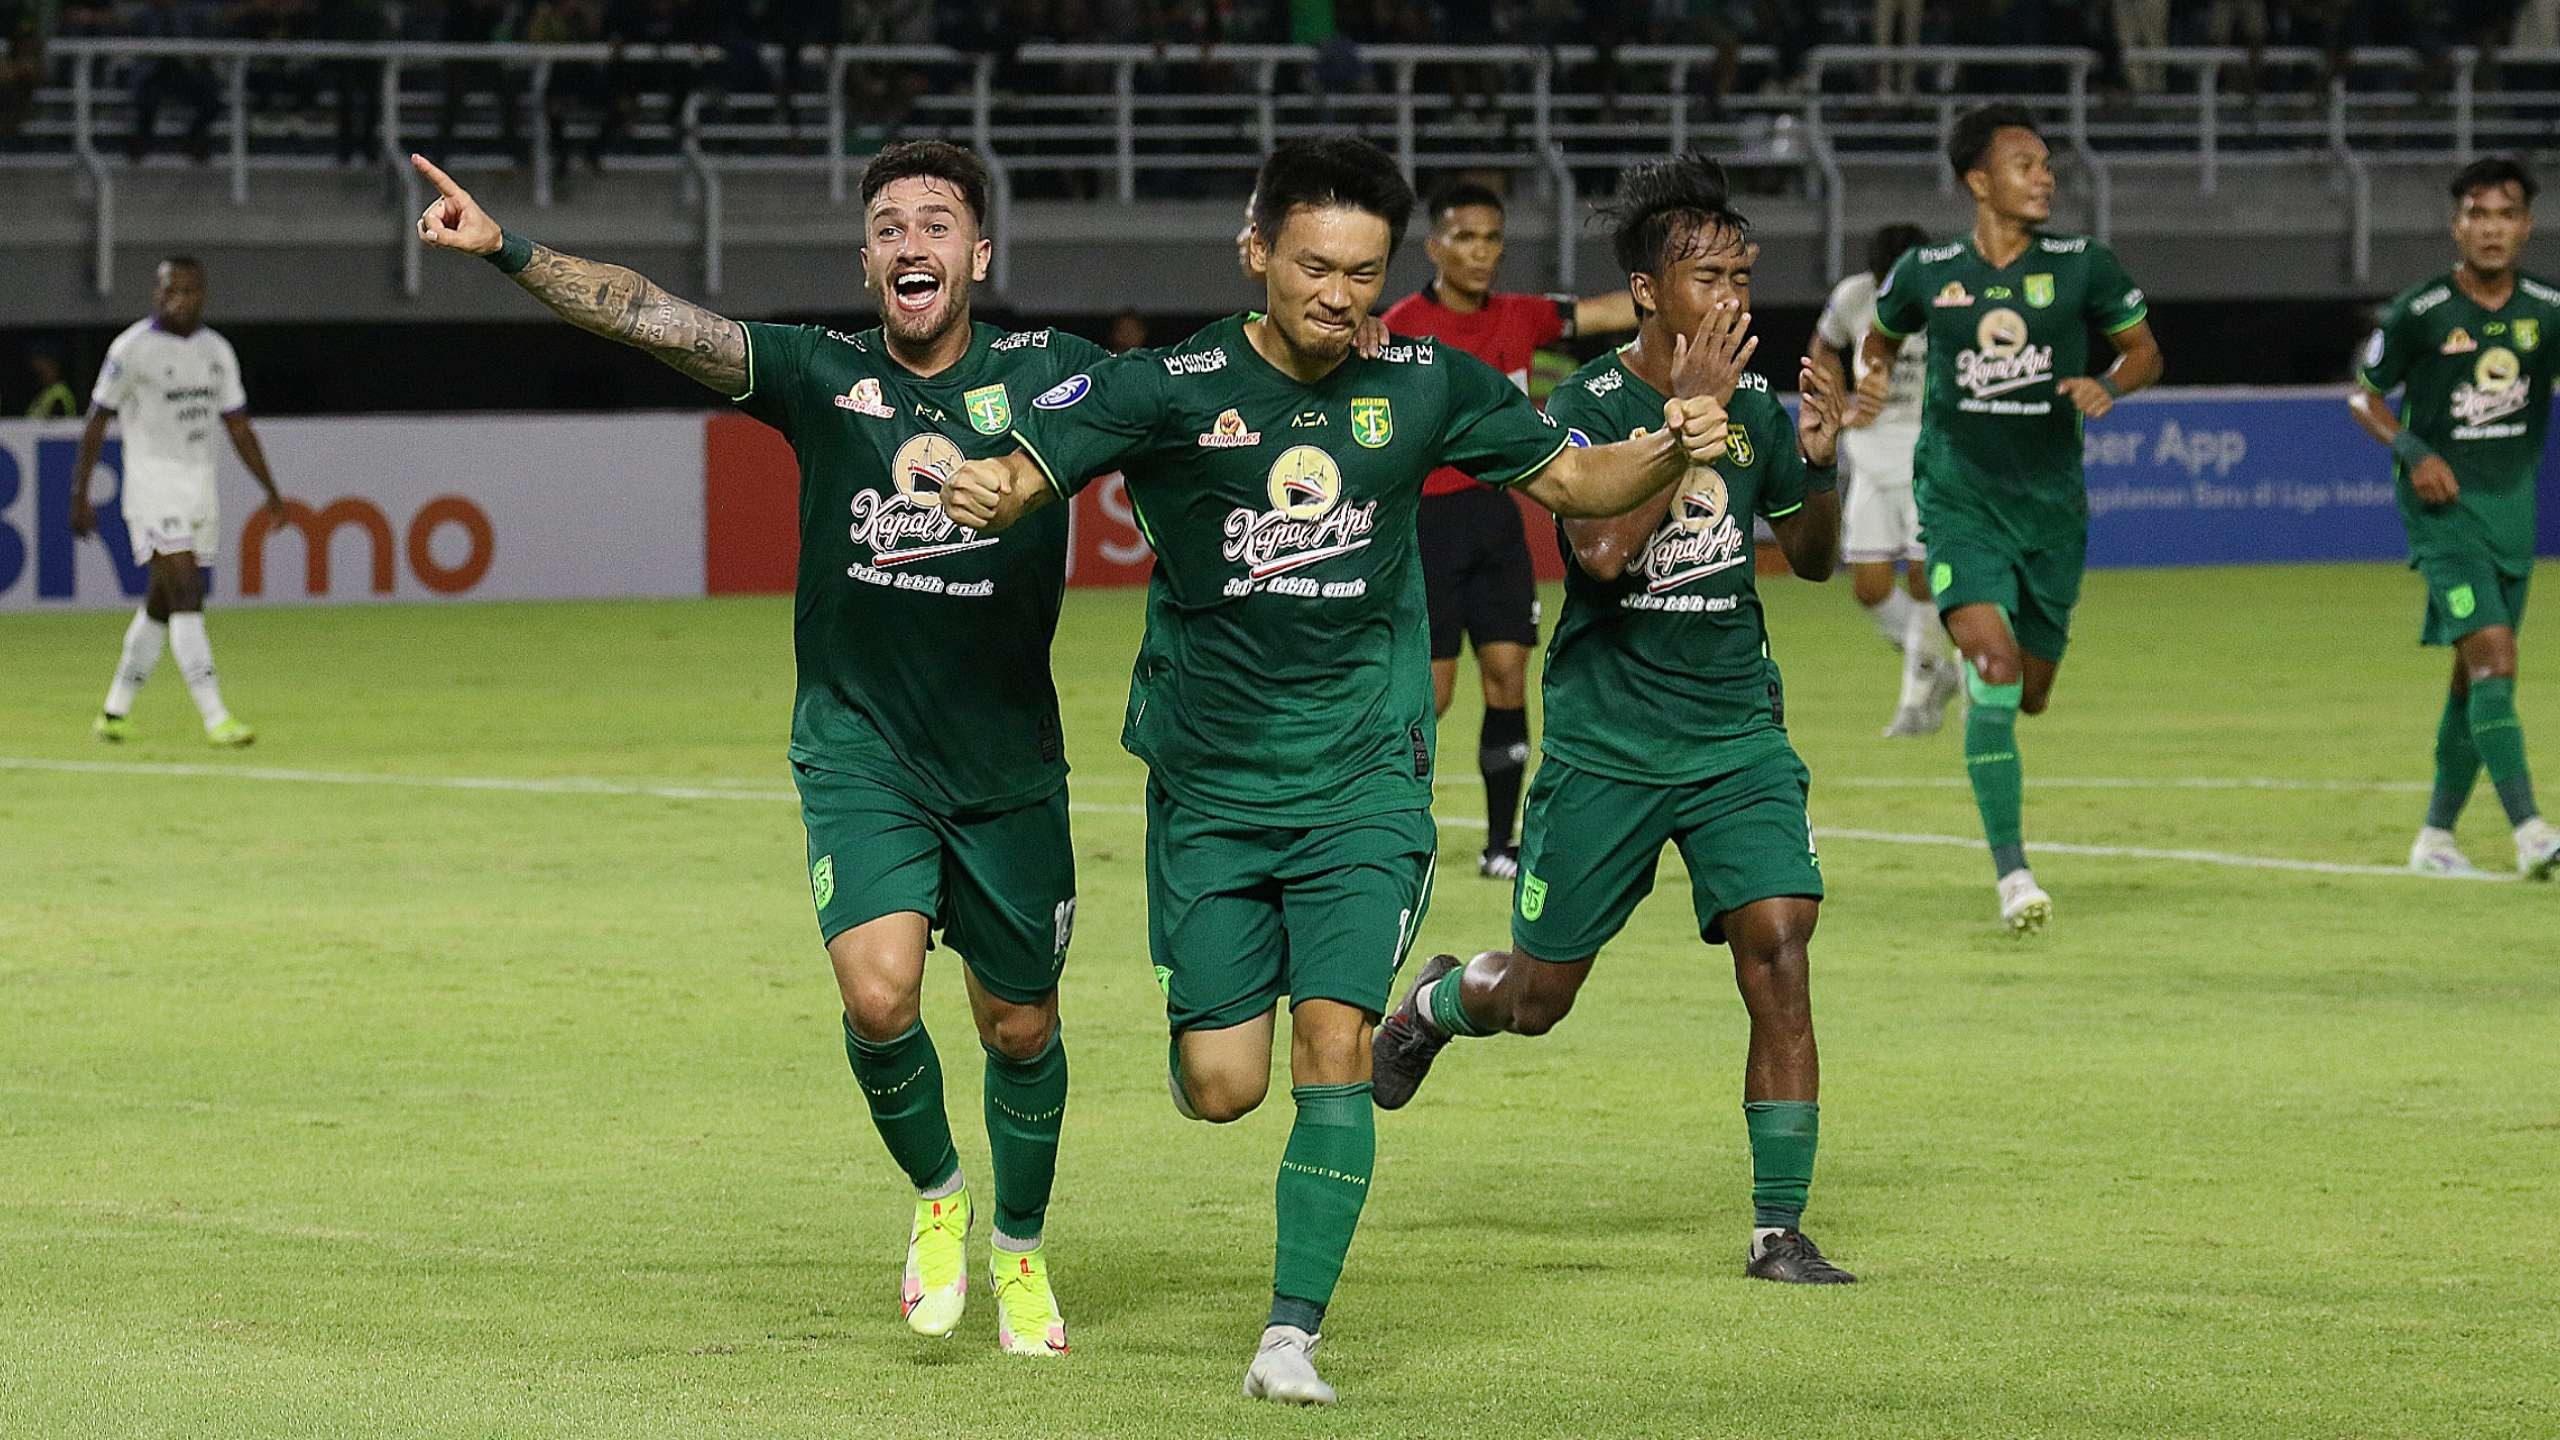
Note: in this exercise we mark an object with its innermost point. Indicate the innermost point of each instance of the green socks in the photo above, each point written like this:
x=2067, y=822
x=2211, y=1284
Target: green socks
x=1026, y=1102
x=2499, y=736
x=1446, y=1006
x=902, y=1079
x=1991, y=762
x=2457, y=764
x=1782, y=1140
x=1324, y=1180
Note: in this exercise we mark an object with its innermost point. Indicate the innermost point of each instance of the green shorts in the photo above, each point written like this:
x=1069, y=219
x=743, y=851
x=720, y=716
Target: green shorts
x=1590, y=845
x=2467, y=593
x=2036, y=588
x=1240, y=914
x=1001, y=888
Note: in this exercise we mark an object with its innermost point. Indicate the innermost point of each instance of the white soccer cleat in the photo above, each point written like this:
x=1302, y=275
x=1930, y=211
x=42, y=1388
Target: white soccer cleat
x=2434, y=853
x=1946, y=682
x=2024, y=907
x=2537, y=849
x=1910, y=723
x=1284, y=1369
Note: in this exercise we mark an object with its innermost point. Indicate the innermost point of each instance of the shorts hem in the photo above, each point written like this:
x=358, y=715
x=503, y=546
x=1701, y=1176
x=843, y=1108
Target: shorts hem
x=1713, y=931
x=828, y=929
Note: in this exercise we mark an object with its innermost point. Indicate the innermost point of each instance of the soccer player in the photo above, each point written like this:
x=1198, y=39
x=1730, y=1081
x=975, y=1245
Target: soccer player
x=1477, y=578
x=925, y=738
x=168, y=381
x=2004, y=510
x=1282, y=693
x=1665, y=722
x=2468, y=347
x=1879, y=519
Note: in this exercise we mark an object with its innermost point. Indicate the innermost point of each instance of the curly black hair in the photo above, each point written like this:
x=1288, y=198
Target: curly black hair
x=1664, y=209
x=1970, y=141
x=954, y=165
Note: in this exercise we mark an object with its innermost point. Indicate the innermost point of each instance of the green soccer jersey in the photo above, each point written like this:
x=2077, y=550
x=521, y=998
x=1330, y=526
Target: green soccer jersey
x=1663, y=675
x=2479, y=394
x=1285, y=676
x=923, y=646
x=1999, y=452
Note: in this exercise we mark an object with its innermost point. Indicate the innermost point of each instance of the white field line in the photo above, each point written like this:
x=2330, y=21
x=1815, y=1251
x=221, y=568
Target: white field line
x=586, y=785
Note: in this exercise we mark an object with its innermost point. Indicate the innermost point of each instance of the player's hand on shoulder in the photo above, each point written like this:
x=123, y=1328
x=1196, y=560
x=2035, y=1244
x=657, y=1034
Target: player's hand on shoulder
x=453, y=220
x=2434, y=482
x=2087, y=394
x=1711, y=362
x=1370, y=338
x=1700, y=424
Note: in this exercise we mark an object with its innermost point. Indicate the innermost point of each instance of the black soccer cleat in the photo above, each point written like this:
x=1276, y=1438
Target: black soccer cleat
x=1791, y=1257
x=1400, y=1054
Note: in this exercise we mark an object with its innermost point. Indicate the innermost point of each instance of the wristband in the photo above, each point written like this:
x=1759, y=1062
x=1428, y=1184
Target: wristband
x=514, y=252
x=1821, y=479
x=2108, y=384
x=2410, y=448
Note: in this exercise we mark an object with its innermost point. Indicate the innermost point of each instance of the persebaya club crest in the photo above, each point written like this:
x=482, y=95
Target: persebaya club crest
x=2039, y=291
x=1373, y=422
x=990, y=409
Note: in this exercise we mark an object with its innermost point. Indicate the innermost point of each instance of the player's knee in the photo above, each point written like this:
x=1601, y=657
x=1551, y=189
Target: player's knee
x=880, y=1009
x=1222, y=1099
x=1019, y=1032
x=2033, y=700
x=1540, y=1008
x=1992, y=679
x=1871, y=585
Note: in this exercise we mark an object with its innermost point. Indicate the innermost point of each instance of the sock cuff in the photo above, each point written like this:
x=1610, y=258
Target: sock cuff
x=1992, y=697
x=854, y=1039
x=1447, y=1009
x=1503, y=727
x=1331, y=1104
x=1782, y=1108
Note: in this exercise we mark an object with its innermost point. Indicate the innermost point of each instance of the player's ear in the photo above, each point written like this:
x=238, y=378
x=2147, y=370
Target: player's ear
x=1640, y=287
x=981, y=255
x=1978, y=181
x=1258, y=248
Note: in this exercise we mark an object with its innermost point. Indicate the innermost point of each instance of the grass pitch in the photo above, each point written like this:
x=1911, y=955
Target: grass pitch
x=336, y=1106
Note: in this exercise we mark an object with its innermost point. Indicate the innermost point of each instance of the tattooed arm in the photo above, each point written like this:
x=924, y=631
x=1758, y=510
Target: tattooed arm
x=613, y=301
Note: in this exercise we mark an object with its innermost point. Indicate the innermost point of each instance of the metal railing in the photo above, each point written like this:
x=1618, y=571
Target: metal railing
x=1117, y=122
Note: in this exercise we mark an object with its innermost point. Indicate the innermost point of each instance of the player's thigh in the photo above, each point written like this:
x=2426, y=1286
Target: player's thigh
x=879, y=968
x=1352, y=898
x=1009, y=896
x=2467, y=594
x=1213, y=917
x=873, y=851
x=1501, y=591
x=176, y=580
x=1589, y=845
x=2048, y=591
x=1965, y=572
x=1441, y=528
x=1746, y=838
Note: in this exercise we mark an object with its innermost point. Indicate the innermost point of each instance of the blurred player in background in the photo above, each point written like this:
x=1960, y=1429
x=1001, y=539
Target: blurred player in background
x=2475, y=349
x=1282, y=694
x=2004, y=507
x=925, y=738
x=169, y=382
x=1476, y=570
x=1665, y=724
x=1880, y=522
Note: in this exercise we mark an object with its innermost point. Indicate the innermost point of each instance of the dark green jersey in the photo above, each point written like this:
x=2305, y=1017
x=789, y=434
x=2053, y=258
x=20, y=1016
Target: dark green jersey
x=1999, y=452
x=1286, y=672
x=2479, y=394
x=1663, y=675
x=923, y=646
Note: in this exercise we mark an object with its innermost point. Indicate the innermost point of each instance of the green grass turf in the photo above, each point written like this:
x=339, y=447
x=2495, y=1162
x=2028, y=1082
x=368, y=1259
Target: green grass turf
x=332, y=1110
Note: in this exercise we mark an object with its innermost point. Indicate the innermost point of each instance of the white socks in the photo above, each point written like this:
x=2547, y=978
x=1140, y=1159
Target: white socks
x=195, y=662
x=142, y=641
x=1893, y=615
x=1921, y=653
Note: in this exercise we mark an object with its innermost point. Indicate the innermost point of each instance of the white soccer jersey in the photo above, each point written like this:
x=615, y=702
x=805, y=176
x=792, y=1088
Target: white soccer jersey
x=169, y=394
x=1846, y=319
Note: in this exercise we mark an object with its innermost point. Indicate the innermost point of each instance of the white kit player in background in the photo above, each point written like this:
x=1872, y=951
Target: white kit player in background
x=171, y=383
x=1880, y=524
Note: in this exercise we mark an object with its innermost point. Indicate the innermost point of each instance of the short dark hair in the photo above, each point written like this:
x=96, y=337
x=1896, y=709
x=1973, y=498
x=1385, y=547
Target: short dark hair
x=1333, y=171
x=1891, y=242
x=955, y=165
x=181, y=262
x=1664, y=206
x=1460, y=195
x=2488, y=173
x=1974, y=130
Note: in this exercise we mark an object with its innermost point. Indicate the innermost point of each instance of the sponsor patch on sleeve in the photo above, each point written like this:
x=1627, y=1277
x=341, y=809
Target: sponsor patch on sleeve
x=1063, y=394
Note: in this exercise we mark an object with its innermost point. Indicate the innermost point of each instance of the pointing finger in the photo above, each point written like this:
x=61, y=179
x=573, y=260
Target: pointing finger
x=438, y=178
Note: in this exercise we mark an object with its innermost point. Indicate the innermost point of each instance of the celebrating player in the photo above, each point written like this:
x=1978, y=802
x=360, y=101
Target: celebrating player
x=925, y=737
x=1476, y=574
x=1664, y=718
x=2468, y=441
x=1880, y=520
x=2004, y=509
x=1282, y=695
x=168, y=379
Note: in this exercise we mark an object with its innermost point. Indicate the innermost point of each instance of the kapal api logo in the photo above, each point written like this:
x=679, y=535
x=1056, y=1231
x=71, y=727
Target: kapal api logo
x=907, y=524
x=1306, y=521
x=2003, y=358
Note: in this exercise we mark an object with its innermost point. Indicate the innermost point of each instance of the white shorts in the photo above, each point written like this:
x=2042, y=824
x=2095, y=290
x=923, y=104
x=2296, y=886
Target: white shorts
x=1879, y=521
x=163, y=520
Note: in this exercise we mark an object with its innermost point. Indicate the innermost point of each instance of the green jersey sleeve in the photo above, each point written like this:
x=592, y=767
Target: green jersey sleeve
x=2388, y=352
x=777, y=366
x=1773, y=435
x=1491, y=429
x=2113, y=300
x=1899, y=310
x=1095, y=421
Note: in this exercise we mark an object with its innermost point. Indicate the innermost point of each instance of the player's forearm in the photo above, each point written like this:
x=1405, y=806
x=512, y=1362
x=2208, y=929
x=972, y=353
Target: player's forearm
x=2373, y=415
x=2137, y=365
x=624, y=305
x=1811, y=536
x=252, y=455
x=1608, y=480
x=1604, y=547
x=1604, y=314
x=93, y=441
x=1876, y=351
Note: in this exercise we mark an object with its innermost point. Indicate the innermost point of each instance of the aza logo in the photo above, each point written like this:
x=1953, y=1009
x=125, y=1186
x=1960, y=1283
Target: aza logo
x=907, y=525
x=1306, y=522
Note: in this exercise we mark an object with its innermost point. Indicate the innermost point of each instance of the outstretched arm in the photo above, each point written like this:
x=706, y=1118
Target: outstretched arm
x=617, y=303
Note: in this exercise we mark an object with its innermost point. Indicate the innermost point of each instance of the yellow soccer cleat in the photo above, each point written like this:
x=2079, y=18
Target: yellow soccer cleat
x=114, y=729
x=230, y=735
x=1027, y=1318
x=937, y=1283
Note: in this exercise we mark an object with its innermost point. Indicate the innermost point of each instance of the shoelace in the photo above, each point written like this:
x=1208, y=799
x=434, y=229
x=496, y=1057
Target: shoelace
x=1412, y=1037
x=1021, y=1299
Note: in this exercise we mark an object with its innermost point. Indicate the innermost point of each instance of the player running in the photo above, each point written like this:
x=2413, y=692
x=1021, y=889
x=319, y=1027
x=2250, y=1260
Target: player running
x=1477, y=578
x=1879, y=519
x=924, y=739
x=1282, y=694
x=167, y=381
x=1665, y=722
x=2468, y=441
x=2004, y=509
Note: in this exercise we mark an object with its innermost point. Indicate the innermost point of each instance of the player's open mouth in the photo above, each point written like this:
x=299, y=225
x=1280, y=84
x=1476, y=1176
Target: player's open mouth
x=914, y=291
